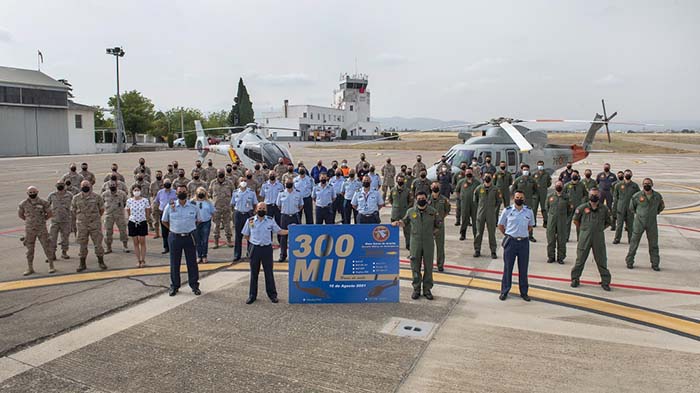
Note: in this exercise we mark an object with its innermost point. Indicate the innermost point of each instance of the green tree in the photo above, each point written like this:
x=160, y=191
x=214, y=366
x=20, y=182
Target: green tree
x=100, y=121
x=160, y=128
x=216, y=119
x=242, y=110
x=343, y=134
x=137, y=112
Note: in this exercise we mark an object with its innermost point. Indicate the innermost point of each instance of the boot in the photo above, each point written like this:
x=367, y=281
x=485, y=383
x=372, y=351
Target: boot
x=216, y=243
x=82, y=266
x=126, y=247
x=230, y=243
x=52, y=257
x=65, y=255
x=108, y=248
x=101, y=262
x=52, y=269
x=30, y=269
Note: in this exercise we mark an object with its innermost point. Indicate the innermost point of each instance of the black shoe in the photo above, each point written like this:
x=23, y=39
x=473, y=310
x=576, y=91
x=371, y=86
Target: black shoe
x=165, y=251
x=550, y=260
x=503, y=296
x=462, y=237
x=606, y=287
x=441, y=269
x=575, y=283
x=560, y=261
x=630, y=266
x=250, y=300
x=236, y=259
x=525, y=297
x=415, y=295
x=544, y=225
x=282, y=259
x=477, y=254
x=172, y=291
x=532, y=239
x=458, y=223
x=494, y=256
x=656, y=268
x=616, y=241
x=428, y=295
x=197, y=291
x=612, y=227
x=274, y=300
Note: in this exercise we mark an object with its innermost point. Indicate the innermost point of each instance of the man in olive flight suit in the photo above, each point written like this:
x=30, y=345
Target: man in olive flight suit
x=504, y=179
x=645, y=206
x=487, y=200
x=401, y=199
x=465, y=195
x=622, y=195
x=544, y=181
x=461, y=173
x=528, y=186
x=558, y=210
x=577, y=194
x=440, y=203
x=591, y=218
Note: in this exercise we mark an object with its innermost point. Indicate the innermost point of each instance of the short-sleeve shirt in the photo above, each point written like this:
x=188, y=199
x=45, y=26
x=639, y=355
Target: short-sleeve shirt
x=516, y=221
x=137, y=208
x=367, y=203
x=289, y=202
x=182, y=219
x=260, y=230
x=206, y=210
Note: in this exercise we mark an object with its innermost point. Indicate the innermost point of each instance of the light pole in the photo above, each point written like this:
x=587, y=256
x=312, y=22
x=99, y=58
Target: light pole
x=118, y=52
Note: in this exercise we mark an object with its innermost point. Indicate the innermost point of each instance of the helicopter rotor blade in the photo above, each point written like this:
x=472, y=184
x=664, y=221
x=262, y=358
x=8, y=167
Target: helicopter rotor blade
x=517, y=137
x=607, y=120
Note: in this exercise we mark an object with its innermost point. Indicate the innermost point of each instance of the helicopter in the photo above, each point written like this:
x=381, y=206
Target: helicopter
x=504, y=139
x=249, y=146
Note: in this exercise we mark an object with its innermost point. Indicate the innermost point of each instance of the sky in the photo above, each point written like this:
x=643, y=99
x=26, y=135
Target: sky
x=451, y=60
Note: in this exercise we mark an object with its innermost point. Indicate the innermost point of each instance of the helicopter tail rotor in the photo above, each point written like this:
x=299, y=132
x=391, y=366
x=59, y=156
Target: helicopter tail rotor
x=607, y=119
x=202, y=144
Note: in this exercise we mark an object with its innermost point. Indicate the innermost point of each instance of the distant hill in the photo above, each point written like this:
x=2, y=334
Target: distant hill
x=415, y=123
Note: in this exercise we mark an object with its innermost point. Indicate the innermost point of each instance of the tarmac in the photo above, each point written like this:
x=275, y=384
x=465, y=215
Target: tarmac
x=118, y=330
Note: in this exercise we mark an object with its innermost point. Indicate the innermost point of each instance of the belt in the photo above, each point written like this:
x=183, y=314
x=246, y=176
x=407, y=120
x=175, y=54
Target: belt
x=290, y=215
x=369, y=214
x=181, y=234
x=323, y=207
x=258, y=245
x=518, y=238
x=243, y=212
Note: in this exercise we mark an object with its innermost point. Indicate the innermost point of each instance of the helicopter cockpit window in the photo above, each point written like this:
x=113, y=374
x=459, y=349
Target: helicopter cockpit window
x=272, y=153
x=254, y=153
x=462, y=156
x=482, y=156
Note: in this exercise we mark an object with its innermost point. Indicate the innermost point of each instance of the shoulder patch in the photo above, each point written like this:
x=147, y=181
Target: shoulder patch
x=551, y=199
x=587, y=210
x=577, y=211
x=642, y=199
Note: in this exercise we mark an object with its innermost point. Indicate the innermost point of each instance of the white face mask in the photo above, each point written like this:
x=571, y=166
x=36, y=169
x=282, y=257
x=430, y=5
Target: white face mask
x=540, y=167
x=243, y=185
x=137, y=193
x=525, y=173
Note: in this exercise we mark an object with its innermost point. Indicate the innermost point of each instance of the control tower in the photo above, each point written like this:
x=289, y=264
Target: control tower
x=353, y=98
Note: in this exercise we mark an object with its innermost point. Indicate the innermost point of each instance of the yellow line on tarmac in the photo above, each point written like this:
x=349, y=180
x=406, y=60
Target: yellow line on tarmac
x=681, y=210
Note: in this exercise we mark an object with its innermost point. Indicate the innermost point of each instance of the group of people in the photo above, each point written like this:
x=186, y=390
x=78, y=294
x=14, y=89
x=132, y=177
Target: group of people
x=241, y=202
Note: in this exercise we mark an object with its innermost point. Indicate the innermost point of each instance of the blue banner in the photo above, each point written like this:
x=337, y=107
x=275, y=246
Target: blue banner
x=343, y=263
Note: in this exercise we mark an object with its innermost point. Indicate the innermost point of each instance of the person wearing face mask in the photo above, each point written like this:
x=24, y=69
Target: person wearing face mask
x=114, y=172
x=367, y=202
x=138, y=209
x=280, y=168
x=221, y=191
x=323, y=196
x=461, y=173
x=544, y=181
x=233, y=176
x=515, y=223
x=61, y=219
x=181, y=217
x=72, y=174
x=87, y=175
x=336, y=181
x=209, y=173
x=605, y=180
x=269, y=192
x=114, y=179
x=410, y=177
x=35, y=211
x=206, y=212
x=488, y=167
x=375, y=180
x=444, y=179
x=252, y=183
x=243, y=202
x=170, y=173
x=620, y=177
x=142, y=169
x=155, y=186
x=577, y=194
x=527, y=185
x=503, y=179
x=361, y=164
x=388, y=175
x=88, y=208
x=465, y=196
x=645, y=206
x=588, y=180
x=350, y=187
x=401, y=200
x=289, y=174
x=476, y=168
x=622, y=195
x=565, y=175
x=419, y=165
x=441, y=204
x=558, y=211
x=591, y=219
x=487, y=199
x=317, y=170
x=421, y=184
x=145, y=187
x=114, y=205
x=181, y=180
x=195, y=183
x=344, y=168
x=197, y=168
x=424, y=222
x=290, y=204
x=258, y=231
x=164, y=196
x=305, y=185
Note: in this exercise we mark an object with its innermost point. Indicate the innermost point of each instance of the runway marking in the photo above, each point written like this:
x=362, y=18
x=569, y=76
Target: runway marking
x=693, y=208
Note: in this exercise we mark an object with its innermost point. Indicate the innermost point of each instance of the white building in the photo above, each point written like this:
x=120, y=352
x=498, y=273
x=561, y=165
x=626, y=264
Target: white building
x=350, y=111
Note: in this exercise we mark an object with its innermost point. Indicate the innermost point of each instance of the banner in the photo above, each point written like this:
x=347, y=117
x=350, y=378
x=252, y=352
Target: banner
x=343, y=263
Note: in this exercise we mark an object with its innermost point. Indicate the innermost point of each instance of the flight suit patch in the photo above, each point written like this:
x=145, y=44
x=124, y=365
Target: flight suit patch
x=586, y=210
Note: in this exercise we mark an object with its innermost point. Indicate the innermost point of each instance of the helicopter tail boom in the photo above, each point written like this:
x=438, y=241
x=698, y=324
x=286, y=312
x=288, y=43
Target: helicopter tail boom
x=202, y=144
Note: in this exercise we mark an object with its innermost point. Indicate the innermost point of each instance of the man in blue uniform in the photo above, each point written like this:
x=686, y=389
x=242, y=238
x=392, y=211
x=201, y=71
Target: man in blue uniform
x=336, y=181
x=258, y=232
x=515, y=223
x=243, y=200
x=305, y=185
x=367, y=202
x=605, y=181
x=180, y=218
x=350, y=188
x=164, y=197
x=323, y=196
x=269, y=191
x=290, y=204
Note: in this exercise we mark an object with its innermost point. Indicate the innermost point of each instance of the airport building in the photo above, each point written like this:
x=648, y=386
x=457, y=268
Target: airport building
x=350, y=111
x=37, y=117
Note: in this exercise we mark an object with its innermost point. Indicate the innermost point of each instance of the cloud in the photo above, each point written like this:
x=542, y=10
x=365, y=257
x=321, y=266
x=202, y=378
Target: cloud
x=5, y=36
x=609, y=80
x=485, y=64
x=473, y=85
x=391, y=59
x=292, y=79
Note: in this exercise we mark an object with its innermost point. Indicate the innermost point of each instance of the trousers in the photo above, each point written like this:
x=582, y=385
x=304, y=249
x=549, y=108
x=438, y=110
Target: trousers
x=285, y=221
x=512, y=249
x=262, y=255
x=241, y=217
x=178, y=246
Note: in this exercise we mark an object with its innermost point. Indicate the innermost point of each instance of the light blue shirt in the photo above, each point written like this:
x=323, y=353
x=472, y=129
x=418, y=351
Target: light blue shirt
x=244, y=201
x=304, y=185
x=260, y=230
x=516, y=221
x=350, y=187
x=270, y=190
x=206, y=210
x=289, y=202
x=164, y=197
x=367, y=203
x=182, y=219
x=323, y=196
x=375, y=181
x=337, y=183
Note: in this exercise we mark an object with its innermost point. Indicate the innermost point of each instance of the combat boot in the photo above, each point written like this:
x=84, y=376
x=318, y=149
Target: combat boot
x=30, y=269
x=52, y=269
x=101, y=262
x=52, y=257
x=230, y=243
x=126, y=247
x=65, y=255
x=216, y=243
x=108, y=249
x=82, y=266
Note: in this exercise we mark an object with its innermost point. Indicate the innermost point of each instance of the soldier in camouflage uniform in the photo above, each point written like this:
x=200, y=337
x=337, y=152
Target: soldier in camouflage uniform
x=72, y=175
x=114, y=179
x=87, y=175
x=170, y=174
x=197, y=168
x=645, y=206
x=441, y=204
x=115, y=172
x=487, y=199
x=289, y=174
x=34, y=211
x=421, y=184
x=156, y=212
x=528, y=186
x=88, y=208
x=504, y=179
x=388, y=175
x=195, y=183
x=209, y=172
x=61, y=219
x=419, y=165
x=142, y=169
x=622, y=195
x=577, y=194
x=558, y=211
x=114, y=205
x=280, y=169
x=455, y=179
x=221, y=191
x=465, y=195
x=544, y=181
x=259, y=178
x=592, y=218
x=401, y=199
x=180, y=180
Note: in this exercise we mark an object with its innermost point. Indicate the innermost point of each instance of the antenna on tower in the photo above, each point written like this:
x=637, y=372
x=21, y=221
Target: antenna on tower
x=355, y=65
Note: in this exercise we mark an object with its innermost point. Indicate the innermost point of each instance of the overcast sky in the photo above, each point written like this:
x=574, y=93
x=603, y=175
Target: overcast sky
x=466, y=60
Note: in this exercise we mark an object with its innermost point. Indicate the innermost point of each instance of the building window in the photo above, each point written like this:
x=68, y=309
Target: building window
x=78, y=121
x=351, y=108
x=295, y=133
x=368, y=119
x=304, y=115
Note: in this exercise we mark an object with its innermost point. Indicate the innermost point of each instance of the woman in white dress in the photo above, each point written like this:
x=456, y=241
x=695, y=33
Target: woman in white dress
x=138, y=208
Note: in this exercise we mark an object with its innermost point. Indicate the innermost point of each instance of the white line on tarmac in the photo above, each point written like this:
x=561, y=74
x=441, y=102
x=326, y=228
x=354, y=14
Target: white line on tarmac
x=95, y=331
